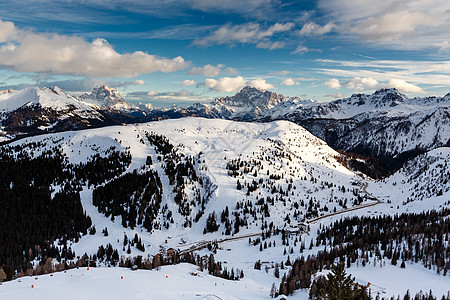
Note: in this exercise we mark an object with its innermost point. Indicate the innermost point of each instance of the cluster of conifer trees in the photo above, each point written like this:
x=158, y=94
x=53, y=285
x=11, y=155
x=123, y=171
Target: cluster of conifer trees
x=33, y=214
x=420, y=237
x=181, y=169
x=136, y=197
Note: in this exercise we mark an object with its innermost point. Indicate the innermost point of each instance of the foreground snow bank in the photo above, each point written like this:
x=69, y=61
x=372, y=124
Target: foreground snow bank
x=170, y=282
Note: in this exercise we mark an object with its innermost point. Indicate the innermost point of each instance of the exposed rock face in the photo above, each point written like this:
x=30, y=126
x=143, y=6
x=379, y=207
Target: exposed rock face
x=105, y=98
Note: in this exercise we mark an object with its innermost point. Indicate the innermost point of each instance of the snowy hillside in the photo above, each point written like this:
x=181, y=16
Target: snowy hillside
x=242, y=189
x=276, y=169
x=420, y=182
x=280, y=166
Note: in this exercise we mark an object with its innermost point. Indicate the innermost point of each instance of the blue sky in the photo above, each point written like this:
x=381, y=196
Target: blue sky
x=179, y=52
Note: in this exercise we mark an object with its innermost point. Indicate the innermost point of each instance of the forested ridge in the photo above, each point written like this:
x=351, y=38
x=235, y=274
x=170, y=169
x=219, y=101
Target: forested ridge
x=34, y=215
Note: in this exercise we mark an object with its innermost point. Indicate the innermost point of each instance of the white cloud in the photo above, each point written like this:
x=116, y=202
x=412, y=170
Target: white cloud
x=443, y=46
x=233, y=84
x=398, y=24
x=270, y=45
x=225, y=84
x=333, y=83
x=207, y=70
x=260, y=83
x=301, y=50
x=188, y=82
x=289, y=82
x=7, y=30
x=393, y=25
x=139, y=82
x=360, y=84
x=25, y=51
x=212, y=71
x=403, y=86
x=312, y=28
x=432, y=73
x=249, y=33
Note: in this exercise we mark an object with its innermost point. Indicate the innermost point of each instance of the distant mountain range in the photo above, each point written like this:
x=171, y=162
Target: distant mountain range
x=386, y=124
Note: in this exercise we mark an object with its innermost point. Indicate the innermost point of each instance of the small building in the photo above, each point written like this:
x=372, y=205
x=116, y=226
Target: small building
x=303, y=227
x=292, y=230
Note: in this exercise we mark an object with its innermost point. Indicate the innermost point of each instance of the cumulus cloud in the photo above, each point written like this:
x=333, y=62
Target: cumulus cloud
x=410, y=25
x=260, y=83
x=188, y=82
x=7, y=30
x=139, y=82
x=289, y=82
x=249, y=33
x=360, y=84
x=403, y=86
x=25, y=51
x=393, y=25
x=225, y=84
x=333, y=83
x=212, y=71
x=233, y=84
x=312, y=28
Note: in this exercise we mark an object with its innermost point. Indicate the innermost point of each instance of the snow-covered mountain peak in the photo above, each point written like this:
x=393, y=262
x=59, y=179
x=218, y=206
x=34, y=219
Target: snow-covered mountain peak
x=247, y=103
x=105, y=97
x=388, y=97
x=250, y=89
x=252, y=97
x=53, y=98
x=383, y=98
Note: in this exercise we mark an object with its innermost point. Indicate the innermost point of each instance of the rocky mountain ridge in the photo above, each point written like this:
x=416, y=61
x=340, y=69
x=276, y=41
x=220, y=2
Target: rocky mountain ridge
x=386, y=125
x=106, y=98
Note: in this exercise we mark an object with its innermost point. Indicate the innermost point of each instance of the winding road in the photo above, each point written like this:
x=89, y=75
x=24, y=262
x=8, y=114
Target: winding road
x=203, y=244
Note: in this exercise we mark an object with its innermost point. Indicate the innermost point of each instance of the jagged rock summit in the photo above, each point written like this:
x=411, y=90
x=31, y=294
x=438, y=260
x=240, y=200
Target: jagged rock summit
x=248, y=103
x=106, y=98
x=252, y=97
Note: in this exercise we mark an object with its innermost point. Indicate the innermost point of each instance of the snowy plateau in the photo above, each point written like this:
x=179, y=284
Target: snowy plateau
x=257, y=195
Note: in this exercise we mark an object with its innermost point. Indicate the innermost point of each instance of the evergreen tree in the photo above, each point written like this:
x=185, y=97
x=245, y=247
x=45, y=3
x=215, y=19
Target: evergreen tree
x=273, y=291
x=340, y=286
